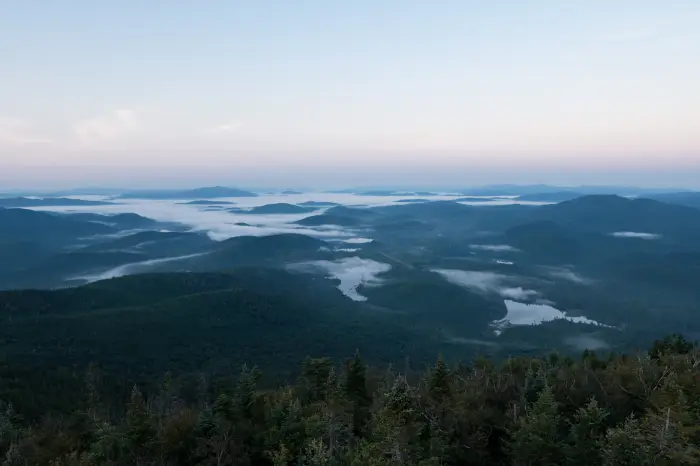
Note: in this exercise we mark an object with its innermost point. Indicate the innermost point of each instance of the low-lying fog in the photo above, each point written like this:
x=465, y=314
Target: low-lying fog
x=636, y=234
x=524, y=306
x=351, y=271
x=130, y=269
x=535, y=314
x=221, y=224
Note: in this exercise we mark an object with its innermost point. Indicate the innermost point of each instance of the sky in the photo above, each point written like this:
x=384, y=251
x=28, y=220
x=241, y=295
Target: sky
x=326, y=93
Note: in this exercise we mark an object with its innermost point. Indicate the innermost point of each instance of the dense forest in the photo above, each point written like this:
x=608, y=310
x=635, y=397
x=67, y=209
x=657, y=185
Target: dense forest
x=639, y=409
x=148, y=368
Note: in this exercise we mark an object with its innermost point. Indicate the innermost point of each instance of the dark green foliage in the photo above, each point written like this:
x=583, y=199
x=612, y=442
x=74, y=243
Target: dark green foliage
x=315, y=374
x=586, y=436
x=356, y=392
x=135, y=328
x=140, y=428
x=605, y=408
x=439, y=381
x=672, y=344
x=534, y=439
x=537, y=412
x=272, y=251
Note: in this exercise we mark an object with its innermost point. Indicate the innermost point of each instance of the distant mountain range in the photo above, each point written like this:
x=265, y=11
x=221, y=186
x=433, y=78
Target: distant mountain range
x=613, y=239
x=690, y=199
x=512, y=190
x=508, y=190
x=48, y=202
x=398, y=281
x=194, y=194
x=557, y=196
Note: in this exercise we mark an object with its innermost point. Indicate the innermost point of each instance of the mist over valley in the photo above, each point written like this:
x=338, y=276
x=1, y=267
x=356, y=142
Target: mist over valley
x=476, y=268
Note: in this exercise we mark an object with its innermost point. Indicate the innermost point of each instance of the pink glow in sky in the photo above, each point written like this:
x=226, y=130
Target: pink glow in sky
x=257, y=88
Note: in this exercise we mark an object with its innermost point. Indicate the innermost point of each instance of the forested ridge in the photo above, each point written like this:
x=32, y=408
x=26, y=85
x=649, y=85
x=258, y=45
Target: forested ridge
x=146, y=369
x=641, y=409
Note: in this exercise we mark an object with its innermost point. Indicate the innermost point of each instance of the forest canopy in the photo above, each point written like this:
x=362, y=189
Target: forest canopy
x=618, y=410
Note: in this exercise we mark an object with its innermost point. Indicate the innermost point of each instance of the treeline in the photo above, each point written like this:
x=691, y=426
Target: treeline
x=617, y=410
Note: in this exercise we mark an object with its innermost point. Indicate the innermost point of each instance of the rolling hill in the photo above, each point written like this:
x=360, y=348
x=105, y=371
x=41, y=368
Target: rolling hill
x=126, y=221
x=25, y=225
x=280, y=208
x=134, y=328
x=585, y=255
x=609, y=213
x=329, y=219
x=155, y=243
x=689, y=199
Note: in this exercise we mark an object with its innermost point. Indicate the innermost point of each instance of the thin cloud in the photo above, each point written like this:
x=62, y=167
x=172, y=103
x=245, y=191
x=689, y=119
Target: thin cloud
x=107, y=128
x=518, y=293
x=133, y=268
x=635, y=234
x=17, y=132
x=567, y=274
x=487, y=282
x=493, y=247
x=351, y=271
x=225, y=128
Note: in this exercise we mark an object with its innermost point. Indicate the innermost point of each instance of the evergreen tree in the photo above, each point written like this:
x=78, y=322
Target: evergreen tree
x=246, y=389
x=489, y=414
x=315, y=374
x=671, y=344
x=439, y=381
x=535, y=438
x=627, y=446
x=9, y=433
x=140, y=428
x=357, y=393
x=586, y=436
x=179, y=436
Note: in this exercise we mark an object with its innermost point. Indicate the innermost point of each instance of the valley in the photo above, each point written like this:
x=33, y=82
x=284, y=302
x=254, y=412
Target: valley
x=327, y=273
x=350, y=233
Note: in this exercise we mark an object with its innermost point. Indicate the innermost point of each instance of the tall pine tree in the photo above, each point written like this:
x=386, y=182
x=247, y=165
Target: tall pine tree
x=356, y=391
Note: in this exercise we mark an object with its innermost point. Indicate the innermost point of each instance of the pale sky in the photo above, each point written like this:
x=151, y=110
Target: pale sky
x=320, y=92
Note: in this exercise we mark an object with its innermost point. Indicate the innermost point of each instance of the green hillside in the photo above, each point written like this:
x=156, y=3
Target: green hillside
x=137, y=327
